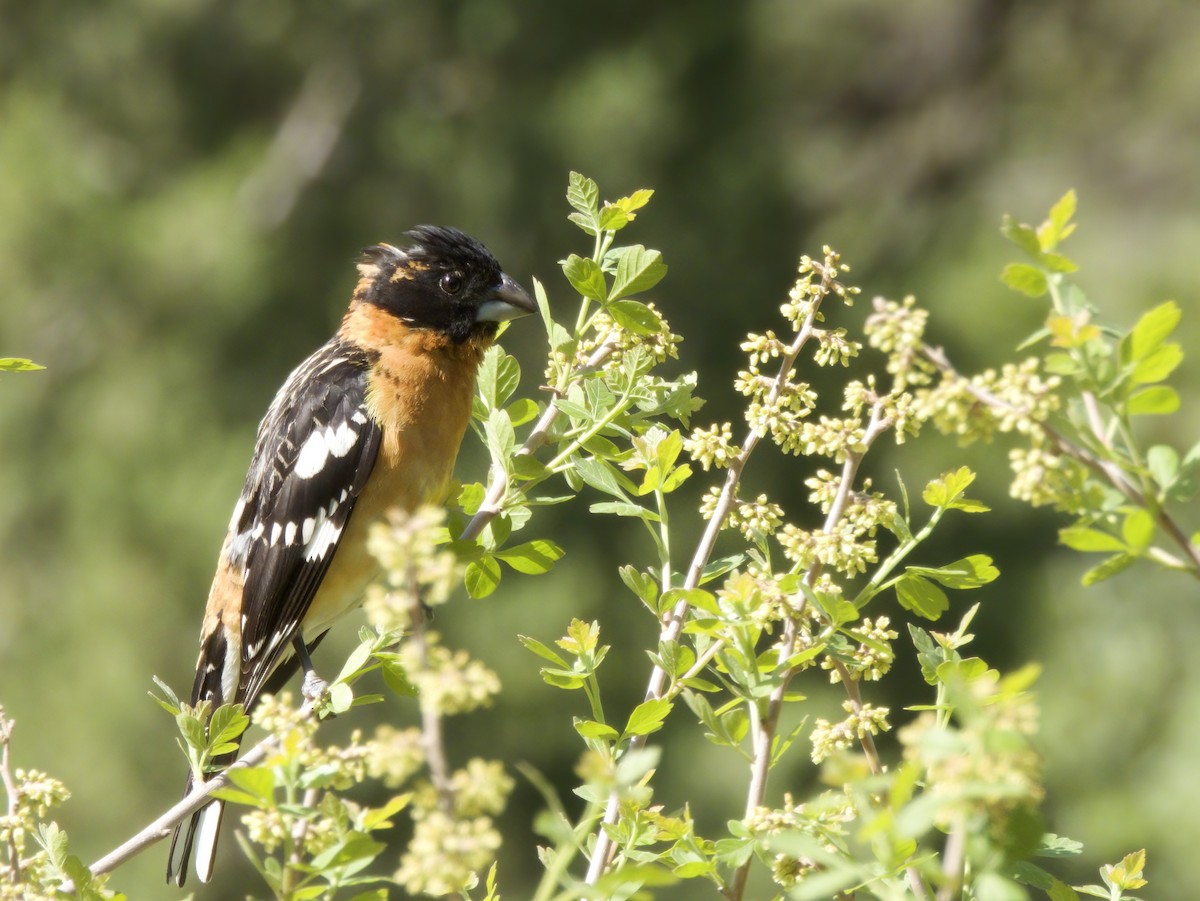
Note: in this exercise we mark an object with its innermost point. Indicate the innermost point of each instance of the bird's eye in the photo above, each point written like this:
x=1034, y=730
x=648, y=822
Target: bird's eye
x=451, y=282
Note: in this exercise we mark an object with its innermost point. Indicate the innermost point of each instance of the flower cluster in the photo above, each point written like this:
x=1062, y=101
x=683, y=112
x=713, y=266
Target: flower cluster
x=449, y=682
x=454, y=835
x=988, y=765
x=409, y=549
x=816, y=281
x=396, y=755
x=1044, y=478
x=1017, y=398
x=654, y=339
x=872, y=658
x=33, y=795
x=831, y=738
x=713, y=447
x=834, y=347
x=824, y=818
x=898, y=330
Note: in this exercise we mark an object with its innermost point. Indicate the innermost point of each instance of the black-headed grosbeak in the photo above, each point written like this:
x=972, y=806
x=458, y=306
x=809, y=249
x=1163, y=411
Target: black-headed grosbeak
x=370, y=421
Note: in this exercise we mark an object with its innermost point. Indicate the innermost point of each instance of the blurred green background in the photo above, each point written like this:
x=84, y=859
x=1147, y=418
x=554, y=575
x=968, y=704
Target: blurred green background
x=184, y=185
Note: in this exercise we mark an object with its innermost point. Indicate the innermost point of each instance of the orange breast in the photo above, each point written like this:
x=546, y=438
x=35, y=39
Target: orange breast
x=420, y=394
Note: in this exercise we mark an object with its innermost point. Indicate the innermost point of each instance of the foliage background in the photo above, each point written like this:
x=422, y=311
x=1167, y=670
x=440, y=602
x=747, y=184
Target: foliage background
x=184, y=186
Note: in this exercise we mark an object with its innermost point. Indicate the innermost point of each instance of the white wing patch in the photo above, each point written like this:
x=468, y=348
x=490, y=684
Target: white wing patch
x=321, y=445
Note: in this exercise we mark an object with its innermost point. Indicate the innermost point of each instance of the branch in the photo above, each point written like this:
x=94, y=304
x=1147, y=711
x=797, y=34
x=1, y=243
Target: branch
x=431, y=718
x=198, y=797
x=13, y=795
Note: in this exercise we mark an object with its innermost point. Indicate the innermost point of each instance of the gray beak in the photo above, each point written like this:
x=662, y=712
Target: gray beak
x=509, y=301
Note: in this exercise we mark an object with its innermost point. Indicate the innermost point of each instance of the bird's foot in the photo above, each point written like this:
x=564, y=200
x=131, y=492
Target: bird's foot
x=314, y=688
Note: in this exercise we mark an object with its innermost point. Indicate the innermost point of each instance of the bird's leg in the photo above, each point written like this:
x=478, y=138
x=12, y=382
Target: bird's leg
x=313, y=686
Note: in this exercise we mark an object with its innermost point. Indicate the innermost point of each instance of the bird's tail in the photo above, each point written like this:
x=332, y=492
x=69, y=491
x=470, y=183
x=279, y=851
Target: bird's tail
x=198, y=834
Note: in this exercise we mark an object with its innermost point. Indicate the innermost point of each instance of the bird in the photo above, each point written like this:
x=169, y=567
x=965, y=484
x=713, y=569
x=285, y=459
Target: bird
x=371, y=421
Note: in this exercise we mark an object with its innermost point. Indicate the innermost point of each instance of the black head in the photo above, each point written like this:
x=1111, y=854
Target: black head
x=443, y=280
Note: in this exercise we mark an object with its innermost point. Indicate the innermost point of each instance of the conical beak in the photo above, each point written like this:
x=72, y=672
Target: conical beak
x=509, y=301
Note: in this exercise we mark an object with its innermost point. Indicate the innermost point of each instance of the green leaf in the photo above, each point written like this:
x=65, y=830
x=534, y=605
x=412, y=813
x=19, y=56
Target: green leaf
x=395, y=677
x=1152, y=329
x=600, y=475
x=592, y=729
x=1022, y=235
x=482, y=576
x=357, y=660
x=533, y=557
x=1061, y=364
x=258, y=781
x=643, y=585
x=1059, y=263
x=648, y=717
x=227, y=723
x=1060, y=891
x=968, y=670
x=613, y=218
x=1159, y=400
x=635, y=317
x=946, y=492
x=583, y=194
x=1058, y=846
x=696, y=598
x=501, y=439
x=586, y=277
x=18, y=364
x=921, y=596
x=1138, y=530
x=523, y=410
x=1157, y=365
x=192, y=730
x=638, y=270
x=969, y=572
x=720, y=566
x=622, y=508
x=543, y=651
x=1108, y=568
x=377, y=817
x=1058, y=226
x=1025, y=278
x=341, y=697
x=1163, y=463
x=1088, y=540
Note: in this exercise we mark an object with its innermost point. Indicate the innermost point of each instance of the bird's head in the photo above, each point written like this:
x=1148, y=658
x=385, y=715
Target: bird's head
x=442, y=279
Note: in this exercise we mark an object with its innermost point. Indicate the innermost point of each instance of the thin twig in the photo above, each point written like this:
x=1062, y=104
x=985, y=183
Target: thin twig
x=431, y=717
x=954, y=861
x=13, y=794
x=299, y=836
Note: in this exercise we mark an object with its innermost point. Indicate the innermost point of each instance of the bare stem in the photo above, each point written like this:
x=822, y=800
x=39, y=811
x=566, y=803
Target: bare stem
x=299, y=835
x=431, y=717
x=13, y=794
x=954, y=861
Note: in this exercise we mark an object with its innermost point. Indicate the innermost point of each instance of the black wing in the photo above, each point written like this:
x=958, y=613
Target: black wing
x=315, y=449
